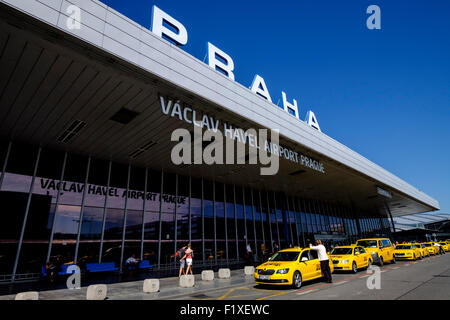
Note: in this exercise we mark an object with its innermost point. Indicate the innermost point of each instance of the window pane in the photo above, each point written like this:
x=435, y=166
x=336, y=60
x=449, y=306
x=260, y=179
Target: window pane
x=42, y=208
x=231, y=226
x=14, y=196
x=209, y=220
x=91, y=228
x=220, y=221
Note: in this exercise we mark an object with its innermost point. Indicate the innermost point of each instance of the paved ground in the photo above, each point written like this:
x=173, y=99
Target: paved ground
x=425, y=279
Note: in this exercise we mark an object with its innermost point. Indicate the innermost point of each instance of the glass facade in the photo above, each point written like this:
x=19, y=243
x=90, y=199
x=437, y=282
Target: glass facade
x=69, y=208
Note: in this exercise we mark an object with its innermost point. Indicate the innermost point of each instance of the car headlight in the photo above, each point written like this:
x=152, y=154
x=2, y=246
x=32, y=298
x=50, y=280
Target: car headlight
x=283, y=271
x=344, y=261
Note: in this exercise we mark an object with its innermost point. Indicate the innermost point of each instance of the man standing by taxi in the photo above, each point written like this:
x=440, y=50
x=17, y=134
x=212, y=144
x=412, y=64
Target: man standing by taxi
x=324, y=260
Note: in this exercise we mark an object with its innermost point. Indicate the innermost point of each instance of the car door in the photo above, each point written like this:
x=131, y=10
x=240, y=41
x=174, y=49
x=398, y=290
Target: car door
x=316, y=272
x=389, y=249
x=360, y=258
x=365, y=255
x=307, y=267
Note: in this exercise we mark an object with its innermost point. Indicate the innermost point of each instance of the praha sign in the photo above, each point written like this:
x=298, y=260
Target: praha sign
x=166, y=27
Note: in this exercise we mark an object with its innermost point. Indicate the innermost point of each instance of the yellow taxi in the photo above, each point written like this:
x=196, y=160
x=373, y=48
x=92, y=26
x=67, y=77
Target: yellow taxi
x=350, y=258
x=432, y=249
x=423, y=250
x=290, y=267
x=407, y=251
x=444, y=245
x=381, y=249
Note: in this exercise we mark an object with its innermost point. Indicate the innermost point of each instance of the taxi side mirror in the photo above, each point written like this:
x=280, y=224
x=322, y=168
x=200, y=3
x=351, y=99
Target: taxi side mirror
x=356, y=253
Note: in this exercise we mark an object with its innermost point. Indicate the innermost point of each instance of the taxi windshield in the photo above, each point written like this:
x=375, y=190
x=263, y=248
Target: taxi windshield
x=367, y=243
x=427, y=244
x=285, y=256
x=342, y=251
x=444, y=243
x=403, y=247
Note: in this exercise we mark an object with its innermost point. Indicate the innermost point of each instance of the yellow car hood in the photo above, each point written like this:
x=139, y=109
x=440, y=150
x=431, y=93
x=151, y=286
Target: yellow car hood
x=276, y=264
x=403, y=250
x=340, y=257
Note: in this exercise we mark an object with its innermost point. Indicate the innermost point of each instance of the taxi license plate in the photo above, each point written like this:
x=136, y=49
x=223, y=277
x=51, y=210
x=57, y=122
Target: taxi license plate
x=264, y=278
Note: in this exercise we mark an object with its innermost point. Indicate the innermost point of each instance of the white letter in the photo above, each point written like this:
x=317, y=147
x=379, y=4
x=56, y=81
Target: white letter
x=287, y=105
x=224, y=64
x=374, y=21
x=181, y=152
x=374, y=281
x=74, y=19
x=213, y=152
x=271, y=159
x=159, y=17
x=311, y=120
x=259, y=87
x=73, y=281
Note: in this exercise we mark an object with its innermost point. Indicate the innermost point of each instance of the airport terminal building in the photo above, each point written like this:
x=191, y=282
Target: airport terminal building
x=85, y=154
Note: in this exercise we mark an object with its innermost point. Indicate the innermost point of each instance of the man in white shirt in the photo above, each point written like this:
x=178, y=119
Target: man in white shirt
x=441, y=250
x=324, y=260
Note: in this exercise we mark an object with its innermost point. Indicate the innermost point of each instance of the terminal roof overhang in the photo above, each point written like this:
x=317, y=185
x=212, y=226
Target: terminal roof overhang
x=52, y=75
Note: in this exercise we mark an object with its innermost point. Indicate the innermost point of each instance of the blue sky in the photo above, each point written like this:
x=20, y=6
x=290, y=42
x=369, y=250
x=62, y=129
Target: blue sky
x=383, y=93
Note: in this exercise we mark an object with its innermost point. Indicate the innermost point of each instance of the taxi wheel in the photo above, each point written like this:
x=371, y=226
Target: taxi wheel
x=369, y=264
x=393, y=261
x=354, y=267
x=297, y=280
x=381, y=262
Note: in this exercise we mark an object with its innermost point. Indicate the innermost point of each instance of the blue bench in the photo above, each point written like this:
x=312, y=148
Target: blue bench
x=63, y=271
x=145, y=264
x=101, y=267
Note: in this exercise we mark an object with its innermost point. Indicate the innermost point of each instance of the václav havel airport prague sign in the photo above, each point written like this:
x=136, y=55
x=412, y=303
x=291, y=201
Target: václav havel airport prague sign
x=182, y=112
x=166, y=27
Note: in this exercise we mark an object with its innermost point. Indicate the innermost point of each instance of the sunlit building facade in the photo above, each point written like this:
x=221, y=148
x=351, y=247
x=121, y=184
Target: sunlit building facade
x=85, y=156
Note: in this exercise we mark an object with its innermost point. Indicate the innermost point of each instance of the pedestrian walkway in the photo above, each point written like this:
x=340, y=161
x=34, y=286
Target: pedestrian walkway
x=169, y=289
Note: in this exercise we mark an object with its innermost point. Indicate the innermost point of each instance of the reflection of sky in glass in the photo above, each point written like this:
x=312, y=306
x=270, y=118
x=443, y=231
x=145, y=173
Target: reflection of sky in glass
x=67, y=219
x=208, y=208
x=92, y=222
x=196, y=207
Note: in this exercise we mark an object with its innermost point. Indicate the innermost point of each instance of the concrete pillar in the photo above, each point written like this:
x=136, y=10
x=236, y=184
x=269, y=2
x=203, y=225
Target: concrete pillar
x=96, y=292
x=187, y=281
x=151, y=285
x=249, y=270
x=224, y=273
x=30, y=295
x=208, y=275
